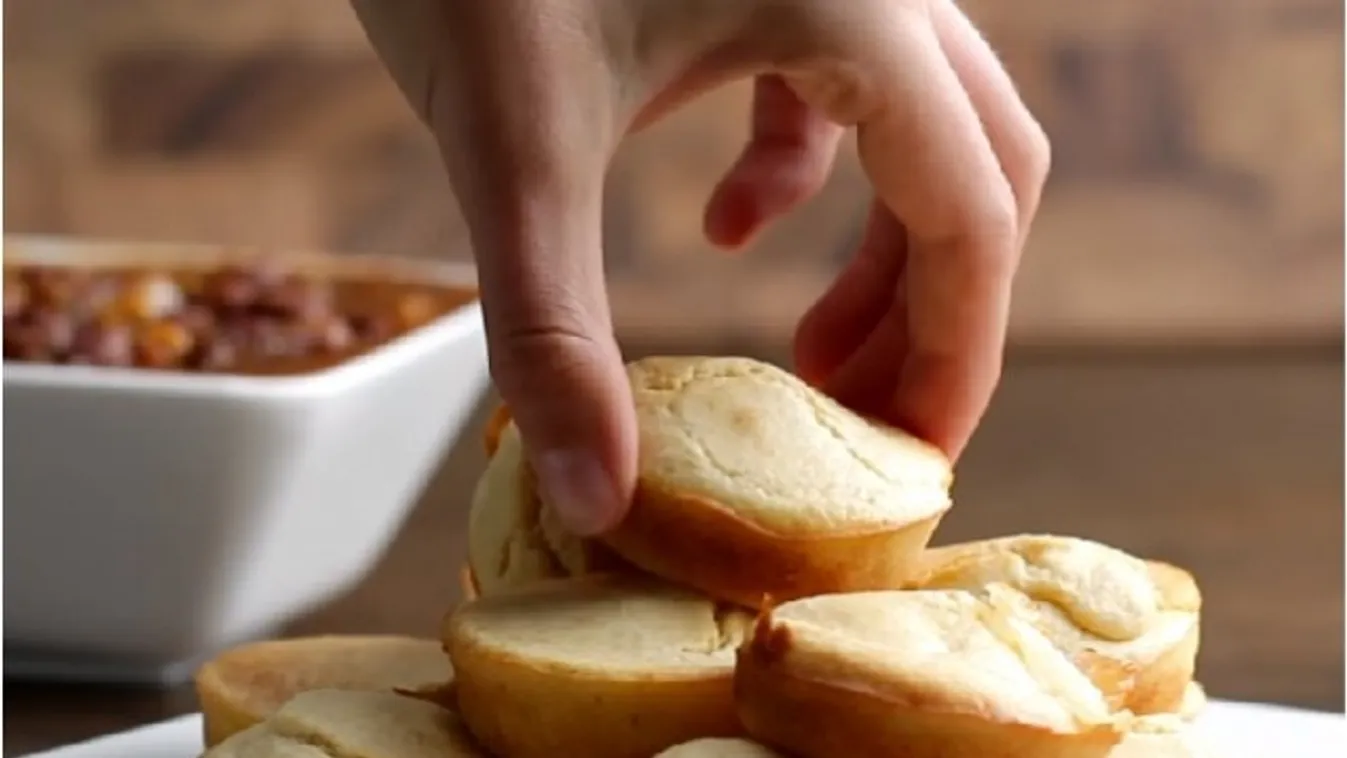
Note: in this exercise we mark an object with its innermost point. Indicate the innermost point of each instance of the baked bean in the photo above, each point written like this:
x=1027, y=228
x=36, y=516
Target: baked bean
x=218, y=355
x=53, y=287
x=273, y=339
x=415, y=309
x=163, y=344
x=101, y=344
x=99, y=296
x=25, y=341
x=336, y=335
x=150, y=296
x=254, y=318
x=295, y=298
x=197, y=319
x=52, y=329
x=16, y=297
x=231, y=288
x=374, y=327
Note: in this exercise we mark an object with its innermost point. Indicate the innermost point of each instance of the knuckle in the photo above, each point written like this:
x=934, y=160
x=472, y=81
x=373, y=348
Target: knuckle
x=804, y=176
x=531, y=345
x=538, y=368
x=806, y=185
x=544, y=334
x=839, y=90
x=1027, y=170
x=524, y=354
x=989, y=232
x=996, y=216
x=1037, y=153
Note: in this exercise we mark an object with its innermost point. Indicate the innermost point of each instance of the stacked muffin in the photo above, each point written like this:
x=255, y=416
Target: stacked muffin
x=772, y=592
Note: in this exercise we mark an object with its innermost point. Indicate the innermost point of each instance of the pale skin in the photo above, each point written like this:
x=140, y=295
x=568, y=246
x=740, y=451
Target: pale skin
x=529, y=99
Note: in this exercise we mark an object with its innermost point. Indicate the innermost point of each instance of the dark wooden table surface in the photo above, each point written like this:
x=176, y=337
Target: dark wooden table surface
x=1229, y=465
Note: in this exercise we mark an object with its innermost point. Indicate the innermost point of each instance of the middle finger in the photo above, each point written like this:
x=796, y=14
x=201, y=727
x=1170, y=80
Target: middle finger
x=1018, y=141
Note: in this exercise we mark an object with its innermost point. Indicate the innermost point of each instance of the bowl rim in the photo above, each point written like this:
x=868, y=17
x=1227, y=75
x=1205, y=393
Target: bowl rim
x=386, y=358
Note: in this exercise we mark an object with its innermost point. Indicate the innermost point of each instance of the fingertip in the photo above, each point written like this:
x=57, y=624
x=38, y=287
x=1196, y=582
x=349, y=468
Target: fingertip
x=571, y=400
x=787, y=160
x=584, y=494
x=732, y=216
x=942, y=398
x=813, y=358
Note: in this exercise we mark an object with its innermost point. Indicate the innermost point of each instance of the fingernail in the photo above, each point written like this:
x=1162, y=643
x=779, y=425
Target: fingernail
x=578, y=488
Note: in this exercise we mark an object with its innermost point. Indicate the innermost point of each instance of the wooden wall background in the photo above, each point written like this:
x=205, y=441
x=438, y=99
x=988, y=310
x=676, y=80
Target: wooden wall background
x=1197, y=193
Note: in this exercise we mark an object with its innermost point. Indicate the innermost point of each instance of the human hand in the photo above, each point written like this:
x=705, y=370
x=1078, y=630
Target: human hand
x=528, y=100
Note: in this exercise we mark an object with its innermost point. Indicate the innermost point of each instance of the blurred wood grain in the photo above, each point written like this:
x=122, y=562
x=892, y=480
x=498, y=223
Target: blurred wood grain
x=1196, y=194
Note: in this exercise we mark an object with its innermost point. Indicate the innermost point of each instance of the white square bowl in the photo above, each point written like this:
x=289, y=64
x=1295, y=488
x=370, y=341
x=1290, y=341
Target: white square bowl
x=154, y=517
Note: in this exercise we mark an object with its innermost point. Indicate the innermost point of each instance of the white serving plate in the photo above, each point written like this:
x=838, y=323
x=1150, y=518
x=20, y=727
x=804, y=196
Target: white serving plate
x=1237, y=730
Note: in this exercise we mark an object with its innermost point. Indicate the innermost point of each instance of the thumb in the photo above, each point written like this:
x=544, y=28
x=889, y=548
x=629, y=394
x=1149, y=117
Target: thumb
x=519, y=112
x=554, y=359
x=535, y=216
